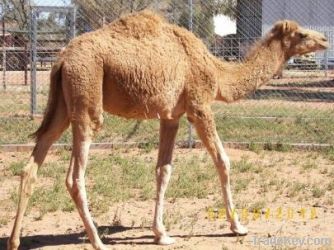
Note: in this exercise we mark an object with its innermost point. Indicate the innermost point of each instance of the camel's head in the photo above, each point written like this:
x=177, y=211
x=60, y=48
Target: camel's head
x=297, y=40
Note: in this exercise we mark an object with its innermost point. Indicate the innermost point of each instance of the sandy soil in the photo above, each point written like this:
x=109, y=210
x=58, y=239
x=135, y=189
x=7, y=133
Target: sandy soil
x=126, y=225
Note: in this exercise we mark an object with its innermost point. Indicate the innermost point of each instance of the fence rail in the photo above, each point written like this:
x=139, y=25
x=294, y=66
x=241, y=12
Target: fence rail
x=295, y=107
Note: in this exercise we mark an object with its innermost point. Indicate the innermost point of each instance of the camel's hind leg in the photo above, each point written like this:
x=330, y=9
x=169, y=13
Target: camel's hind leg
x=29, y=173
x=168, y=130
x=75, y=181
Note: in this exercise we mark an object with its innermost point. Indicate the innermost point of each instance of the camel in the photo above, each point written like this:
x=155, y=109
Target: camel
x=142, y=67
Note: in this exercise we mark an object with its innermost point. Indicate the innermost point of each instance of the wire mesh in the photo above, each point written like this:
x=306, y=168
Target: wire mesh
x=295, y=107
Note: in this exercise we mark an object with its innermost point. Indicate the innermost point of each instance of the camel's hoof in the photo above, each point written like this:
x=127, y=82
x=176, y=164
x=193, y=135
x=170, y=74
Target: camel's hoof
x=164, y=240
x=103, y=247
x=12, y=245
x=100, y=246
x=239, y=229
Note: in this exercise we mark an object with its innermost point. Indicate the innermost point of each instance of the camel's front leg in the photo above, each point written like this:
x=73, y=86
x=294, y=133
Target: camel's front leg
x=206, y=129
x=168, y=130
x=75, y=180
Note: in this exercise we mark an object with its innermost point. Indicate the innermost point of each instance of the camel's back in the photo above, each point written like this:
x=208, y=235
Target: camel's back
x=141, y=25
x=136, y=34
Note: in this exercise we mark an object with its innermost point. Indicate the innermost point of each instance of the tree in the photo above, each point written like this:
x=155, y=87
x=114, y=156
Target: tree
x=16, y=13
x=226, y=7
x=92, y=14
x=203, y=12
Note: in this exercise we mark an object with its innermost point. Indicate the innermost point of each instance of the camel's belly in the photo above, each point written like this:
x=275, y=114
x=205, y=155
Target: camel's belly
x=154, y=108
x=138, y=111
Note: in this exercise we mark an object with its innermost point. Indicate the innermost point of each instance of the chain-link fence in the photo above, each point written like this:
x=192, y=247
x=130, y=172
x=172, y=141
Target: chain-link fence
x=295, y=107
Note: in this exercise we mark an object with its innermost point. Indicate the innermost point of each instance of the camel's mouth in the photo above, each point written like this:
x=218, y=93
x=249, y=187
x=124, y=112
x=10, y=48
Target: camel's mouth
x=318, y=39
x=323, y=42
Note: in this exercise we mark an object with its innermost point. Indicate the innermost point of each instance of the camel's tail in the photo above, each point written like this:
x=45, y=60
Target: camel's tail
x=56, y=103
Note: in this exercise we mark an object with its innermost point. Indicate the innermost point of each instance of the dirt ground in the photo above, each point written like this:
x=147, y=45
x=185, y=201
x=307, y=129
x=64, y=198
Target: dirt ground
x=194, y=223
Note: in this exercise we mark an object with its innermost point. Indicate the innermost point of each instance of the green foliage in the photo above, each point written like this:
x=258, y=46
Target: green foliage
x=203, y=11
x=329, y=153
x=255, y=147
x=93, y=14
x=17, y=11
x=16, y=168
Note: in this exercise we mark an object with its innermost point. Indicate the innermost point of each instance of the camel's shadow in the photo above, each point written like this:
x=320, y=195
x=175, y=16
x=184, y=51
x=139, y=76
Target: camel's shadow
x=38, y=241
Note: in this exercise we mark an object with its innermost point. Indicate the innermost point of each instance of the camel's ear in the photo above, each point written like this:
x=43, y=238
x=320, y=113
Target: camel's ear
x=284, y=27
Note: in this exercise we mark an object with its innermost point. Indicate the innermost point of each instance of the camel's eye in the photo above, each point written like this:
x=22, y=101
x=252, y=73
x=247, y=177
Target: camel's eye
x=302, y=35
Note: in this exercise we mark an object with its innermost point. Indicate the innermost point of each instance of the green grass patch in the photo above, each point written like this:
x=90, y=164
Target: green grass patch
x=309, y=165
x=235, y=122
x=51, y=199
x=16, y=167
x=329, y=153
x=318, y=192
x=119, y=178
x=240, y=184
x=193, y=179
x=296, y=189
x=242, y=166
x=115, y=178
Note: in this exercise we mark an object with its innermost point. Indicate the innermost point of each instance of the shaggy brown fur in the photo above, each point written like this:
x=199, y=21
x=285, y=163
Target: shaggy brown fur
x=143, y=67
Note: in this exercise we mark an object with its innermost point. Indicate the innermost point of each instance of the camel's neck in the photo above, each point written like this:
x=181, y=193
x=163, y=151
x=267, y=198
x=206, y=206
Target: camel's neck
x=240, y=79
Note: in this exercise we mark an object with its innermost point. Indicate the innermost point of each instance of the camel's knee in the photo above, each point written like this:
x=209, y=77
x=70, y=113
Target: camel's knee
x=223, y=165
x=224, y=171
x=69, y=183
x=97, y=121
x=164, y=171
x=223, y=160
x=29, y=177
x=74, y=187
x=90, y=120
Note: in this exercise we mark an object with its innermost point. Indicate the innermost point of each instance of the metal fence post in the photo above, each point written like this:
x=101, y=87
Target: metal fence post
x=326, y=63
x=156, y=4
x=73, y=22
x=326, y=59
x=190, y=128
x=33, y=44
x=3, y=48
x=190, y=2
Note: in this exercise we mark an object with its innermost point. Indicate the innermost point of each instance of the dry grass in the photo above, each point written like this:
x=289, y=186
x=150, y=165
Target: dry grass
x=117, y=177
x=260, y=181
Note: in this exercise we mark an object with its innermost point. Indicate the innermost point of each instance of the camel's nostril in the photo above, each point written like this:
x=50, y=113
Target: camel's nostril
x=324, y=39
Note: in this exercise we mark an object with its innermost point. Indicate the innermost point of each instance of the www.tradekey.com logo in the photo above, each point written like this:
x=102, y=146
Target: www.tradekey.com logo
x=266, y=213
x=277, y=241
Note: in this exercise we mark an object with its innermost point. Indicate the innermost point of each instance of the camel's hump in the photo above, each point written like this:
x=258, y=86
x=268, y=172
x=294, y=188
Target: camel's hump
x=141, y=24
